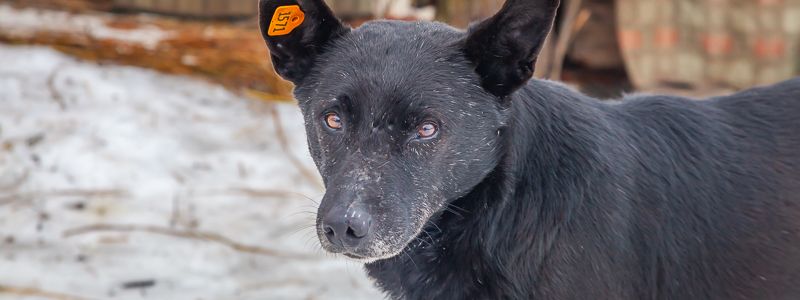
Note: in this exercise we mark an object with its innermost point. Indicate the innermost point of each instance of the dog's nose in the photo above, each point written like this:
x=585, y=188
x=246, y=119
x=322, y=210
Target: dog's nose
x=347, y=229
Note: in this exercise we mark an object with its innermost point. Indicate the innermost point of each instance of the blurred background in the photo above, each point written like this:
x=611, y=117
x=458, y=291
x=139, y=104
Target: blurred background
x=148, y=151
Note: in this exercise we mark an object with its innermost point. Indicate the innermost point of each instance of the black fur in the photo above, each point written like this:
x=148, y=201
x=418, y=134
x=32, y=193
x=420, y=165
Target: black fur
x=656, y=197
x=504, y=48
x=536, y=191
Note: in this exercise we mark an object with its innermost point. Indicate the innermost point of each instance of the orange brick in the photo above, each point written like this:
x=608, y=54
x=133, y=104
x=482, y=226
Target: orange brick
x=766, y=48
x=630, y=39
x=718, y=44
x=769, y=2
x=666, y=37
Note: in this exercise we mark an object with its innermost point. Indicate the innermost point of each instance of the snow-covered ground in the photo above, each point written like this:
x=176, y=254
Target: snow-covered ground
x=186, y=188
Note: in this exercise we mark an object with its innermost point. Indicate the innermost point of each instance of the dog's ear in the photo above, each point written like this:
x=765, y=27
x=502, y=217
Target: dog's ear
x=504, y=47
x=296, y=32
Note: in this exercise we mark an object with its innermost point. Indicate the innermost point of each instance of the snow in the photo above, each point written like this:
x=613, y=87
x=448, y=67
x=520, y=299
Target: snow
x=83, y=144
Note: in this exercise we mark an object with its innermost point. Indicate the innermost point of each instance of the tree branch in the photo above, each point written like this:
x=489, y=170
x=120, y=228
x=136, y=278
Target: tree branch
x=193, y=235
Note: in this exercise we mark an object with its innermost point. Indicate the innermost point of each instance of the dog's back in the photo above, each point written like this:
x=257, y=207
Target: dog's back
x=743, y=159
x=711, y=192
x=687, y=199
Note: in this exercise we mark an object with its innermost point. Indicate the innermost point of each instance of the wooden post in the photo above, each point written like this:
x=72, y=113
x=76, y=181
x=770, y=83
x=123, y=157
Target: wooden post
x=461, y=13
x=352, y=9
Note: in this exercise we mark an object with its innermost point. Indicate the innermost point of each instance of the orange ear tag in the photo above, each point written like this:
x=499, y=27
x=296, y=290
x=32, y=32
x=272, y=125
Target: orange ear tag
x=285, y=19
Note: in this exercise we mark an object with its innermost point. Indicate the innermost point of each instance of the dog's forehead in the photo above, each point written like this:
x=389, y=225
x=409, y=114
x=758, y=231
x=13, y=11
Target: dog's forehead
x=392, y=61
x=386, y=32
x=393, y=50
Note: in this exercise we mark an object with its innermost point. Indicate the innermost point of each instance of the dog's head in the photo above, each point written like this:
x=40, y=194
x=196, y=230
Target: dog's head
x=401, y=117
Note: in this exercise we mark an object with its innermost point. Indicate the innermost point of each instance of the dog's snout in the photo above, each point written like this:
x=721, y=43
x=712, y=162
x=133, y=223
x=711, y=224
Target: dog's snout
x=347, y=229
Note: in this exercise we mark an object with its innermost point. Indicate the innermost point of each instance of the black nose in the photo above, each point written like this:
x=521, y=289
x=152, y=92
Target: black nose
x=347, y=228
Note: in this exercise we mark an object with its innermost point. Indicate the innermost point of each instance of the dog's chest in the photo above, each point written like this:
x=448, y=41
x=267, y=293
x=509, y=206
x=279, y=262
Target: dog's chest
x=437, y=273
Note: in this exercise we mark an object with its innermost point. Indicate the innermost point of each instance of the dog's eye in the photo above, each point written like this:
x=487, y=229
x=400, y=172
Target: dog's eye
x=333, y=121
x=427, y=130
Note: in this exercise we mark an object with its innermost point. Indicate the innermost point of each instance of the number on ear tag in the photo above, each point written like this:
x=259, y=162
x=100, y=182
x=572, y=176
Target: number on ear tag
x=285, y=19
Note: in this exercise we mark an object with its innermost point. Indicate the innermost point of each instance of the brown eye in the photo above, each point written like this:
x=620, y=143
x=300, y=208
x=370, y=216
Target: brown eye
x=333, y=121
x=427, y=130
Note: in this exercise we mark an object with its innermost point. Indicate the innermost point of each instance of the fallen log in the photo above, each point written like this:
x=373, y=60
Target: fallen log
x=230, y=54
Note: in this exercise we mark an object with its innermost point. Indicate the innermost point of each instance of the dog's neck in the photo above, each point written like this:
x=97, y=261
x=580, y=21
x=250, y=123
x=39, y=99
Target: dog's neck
x=543, y=135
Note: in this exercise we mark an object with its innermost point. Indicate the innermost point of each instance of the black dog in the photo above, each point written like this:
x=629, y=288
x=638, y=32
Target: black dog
x=454, y=177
